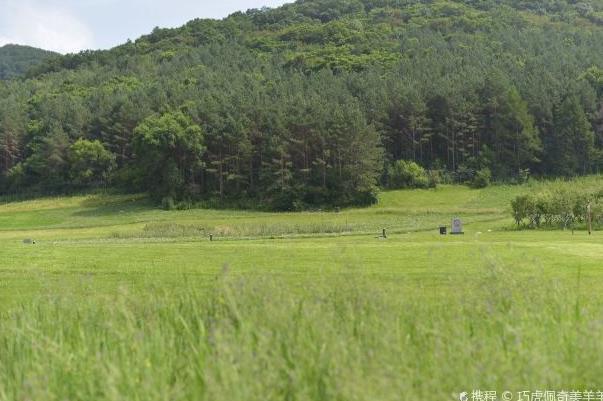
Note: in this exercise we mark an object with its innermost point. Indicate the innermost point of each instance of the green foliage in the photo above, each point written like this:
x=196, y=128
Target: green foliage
x=48, y=165
x=300, y=105
x=407, y=174
x=523, y=176
x=558, y=206
x=523, y=207
x=90, y=163
x=510, y=130
x=571, y=145
x=169, y=149
x=594, y=75
x=482, y=178
x=16, y=60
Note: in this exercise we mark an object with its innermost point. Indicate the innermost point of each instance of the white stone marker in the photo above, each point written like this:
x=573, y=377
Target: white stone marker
x=457, y=226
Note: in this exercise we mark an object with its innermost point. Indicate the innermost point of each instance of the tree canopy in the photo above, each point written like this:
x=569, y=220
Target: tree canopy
x=16, y=60
x=312, y=103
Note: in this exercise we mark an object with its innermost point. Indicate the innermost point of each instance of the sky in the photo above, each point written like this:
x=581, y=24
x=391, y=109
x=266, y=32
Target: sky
x=68, y=26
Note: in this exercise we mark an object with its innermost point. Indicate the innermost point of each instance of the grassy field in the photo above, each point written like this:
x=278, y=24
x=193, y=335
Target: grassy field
x=119, y=300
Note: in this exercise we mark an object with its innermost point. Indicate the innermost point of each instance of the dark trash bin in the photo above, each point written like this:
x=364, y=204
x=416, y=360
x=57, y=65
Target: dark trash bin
x=443, y=230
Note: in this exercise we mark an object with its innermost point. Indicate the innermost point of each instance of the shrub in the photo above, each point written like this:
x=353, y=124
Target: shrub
x=464, y=175
x=597, y=212
x=558, y=207
x=564, y=204
x=523, y=207
x=523, y=176
x=168, y=203
x=580, y=206
x=481, y=179
x=407, y=174
x=434, y=178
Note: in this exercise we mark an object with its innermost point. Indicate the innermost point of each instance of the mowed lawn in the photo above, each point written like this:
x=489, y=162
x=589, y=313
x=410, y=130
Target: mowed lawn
x=99, y=243
x=118, y=299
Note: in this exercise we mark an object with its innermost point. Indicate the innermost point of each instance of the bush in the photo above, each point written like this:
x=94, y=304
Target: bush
x=435, y=177
x=168, y=203
x=481, y=179
x=523, y=176
x=523, y=207
x=464, y=175
x=403, y=174
x=558, y=207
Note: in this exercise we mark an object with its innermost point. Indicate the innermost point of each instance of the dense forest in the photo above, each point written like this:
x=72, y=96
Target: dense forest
x=316, y=103
x=16, y=60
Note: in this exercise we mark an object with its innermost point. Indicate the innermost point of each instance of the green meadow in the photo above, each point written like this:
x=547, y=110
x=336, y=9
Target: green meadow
x=120, y=300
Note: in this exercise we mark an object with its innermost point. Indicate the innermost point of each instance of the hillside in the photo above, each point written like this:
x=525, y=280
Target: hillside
x=15, y=60
x=311, y=103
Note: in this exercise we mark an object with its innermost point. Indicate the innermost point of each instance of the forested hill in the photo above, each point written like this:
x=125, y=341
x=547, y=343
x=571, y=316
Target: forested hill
x=313, y=103
x=15, y=60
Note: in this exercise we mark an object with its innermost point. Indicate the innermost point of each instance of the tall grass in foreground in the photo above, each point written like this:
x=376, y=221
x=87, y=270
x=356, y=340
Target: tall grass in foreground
x=348, y=338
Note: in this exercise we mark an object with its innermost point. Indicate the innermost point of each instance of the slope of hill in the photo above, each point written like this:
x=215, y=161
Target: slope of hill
x=15, y=60
x=312, y=102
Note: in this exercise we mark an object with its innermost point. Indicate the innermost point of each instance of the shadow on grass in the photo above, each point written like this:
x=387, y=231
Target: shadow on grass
x=103, y=205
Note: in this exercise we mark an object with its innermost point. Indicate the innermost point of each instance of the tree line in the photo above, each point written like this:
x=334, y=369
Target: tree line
x=315, y=103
